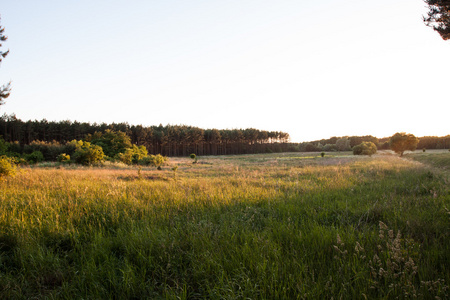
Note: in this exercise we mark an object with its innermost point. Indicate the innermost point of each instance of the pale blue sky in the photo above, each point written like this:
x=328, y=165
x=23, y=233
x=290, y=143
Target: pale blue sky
x=314, y=69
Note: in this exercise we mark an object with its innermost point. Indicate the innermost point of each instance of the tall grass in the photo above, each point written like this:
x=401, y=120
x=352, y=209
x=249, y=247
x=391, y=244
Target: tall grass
x=256, y=226
x=439, y=159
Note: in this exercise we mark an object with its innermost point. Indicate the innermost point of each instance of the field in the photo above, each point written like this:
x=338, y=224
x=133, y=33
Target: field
x=439, y=159
x=274, y=226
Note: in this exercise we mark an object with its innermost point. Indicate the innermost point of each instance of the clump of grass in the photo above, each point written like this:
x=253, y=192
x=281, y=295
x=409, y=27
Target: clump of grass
x=388, y=269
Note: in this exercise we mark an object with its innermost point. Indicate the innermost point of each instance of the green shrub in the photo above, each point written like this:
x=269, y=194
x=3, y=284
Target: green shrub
x=194, y=157
x=112, y=142
x=3, y=146
x=365, y=148
x=322, y=154
x=34, y=157
x=146, y=161
x=49, y=150
x=87, y=154
x=153, y=160
x=160, y=160
x=133, y=155
x=7, y=167
x=15, y=147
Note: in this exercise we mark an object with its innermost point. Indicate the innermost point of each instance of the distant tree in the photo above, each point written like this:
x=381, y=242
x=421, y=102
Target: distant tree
x=309, y=147
x=5, y=89
x=439, y=17
x=343, y=144
x=329, y=147
x=401, y=142
x=365, y=148
x=384, y=146
x=434, y=142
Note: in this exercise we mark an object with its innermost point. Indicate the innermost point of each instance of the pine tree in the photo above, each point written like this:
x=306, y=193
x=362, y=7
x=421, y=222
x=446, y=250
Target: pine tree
x=5, y=89
x=439, y=17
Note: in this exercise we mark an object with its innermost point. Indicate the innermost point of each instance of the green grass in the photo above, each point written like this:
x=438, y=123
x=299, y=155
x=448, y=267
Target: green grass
x=274, y=226
x=436, y=158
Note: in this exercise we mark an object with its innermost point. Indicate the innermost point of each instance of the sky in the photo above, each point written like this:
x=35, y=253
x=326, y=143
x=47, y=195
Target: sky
x=313, y=69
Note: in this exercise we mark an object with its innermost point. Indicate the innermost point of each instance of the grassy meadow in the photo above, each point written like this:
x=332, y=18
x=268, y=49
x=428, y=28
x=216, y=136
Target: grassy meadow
x=272, y=226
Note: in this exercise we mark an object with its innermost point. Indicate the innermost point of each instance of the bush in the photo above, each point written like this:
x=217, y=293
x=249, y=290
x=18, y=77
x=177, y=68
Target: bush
x=159, y=160
x=7, y=167
x=15, y=147
x=63, y=158
x=133, y=155
x=153, y=160
x=146, y=161
x=194, y=157
x=112, y=142
x=365, y=148
x=34, y=157
x=3, y=146
x=87, y=154
x=49, y=150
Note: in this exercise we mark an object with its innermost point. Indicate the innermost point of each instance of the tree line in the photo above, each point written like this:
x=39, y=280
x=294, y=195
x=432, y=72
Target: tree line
x=347, y=143
x=425, y=142
x=182, y=140
x=169, y=140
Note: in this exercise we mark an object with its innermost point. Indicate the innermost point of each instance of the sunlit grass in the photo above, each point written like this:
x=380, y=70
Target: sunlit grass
x=256, y=226
x=436, y=158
